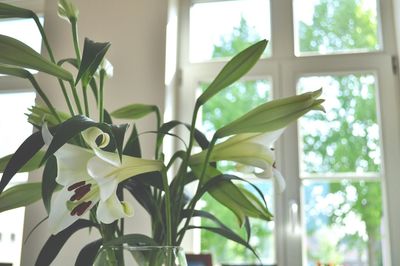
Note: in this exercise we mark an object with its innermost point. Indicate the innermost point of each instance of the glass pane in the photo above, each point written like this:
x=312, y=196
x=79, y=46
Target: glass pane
x=233, y=102
x=346, y=138
x=335, y=26
x=14, y=131
x=223, y=108
x=24, y=30
x=228, y=252
x=221, y=29
x=343, y=223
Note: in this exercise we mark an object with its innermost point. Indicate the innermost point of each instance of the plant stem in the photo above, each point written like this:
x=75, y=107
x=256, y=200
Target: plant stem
x=100, y=96
x=49, y=50
x=44, y=97
x=158, y=144
x=76, y=41
x=192, y=204
x=76, y=97
x=85, y=99
x=107, y=234
x=167, y=207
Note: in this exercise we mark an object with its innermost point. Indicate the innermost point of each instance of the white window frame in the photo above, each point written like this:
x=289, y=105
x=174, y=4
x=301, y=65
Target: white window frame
x=285, y=69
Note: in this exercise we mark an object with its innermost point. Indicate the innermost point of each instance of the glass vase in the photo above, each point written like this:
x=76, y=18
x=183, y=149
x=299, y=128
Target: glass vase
x=126, y=255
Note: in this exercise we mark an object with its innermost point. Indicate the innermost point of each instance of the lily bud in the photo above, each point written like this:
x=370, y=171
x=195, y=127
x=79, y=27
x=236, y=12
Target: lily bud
x=67, y=10
x=273, y=115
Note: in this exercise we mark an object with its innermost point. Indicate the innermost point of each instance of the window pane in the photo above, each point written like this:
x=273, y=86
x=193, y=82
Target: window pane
x=223, y=108
x=14, y=131
x=233, y=102
x=346, y=138
x=221, y=29
x=24, y=30
x=262, y=239
x=343, y=223
x=335, y=26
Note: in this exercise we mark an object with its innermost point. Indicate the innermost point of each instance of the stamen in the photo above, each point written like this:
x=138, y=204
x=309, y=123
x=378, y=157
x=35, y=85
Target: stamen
x=80, y=192
x=81, y=208
x=76, y=185
x=274, y=165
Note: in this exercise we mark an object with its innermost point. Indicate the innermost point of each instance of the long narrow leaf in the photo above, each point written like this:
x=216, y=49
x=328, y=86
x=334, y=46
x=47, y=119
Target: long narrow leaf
x=23, y=154
x=134, y=111
x=32, y=164
x=234, y=70
x=88, y=253
x=228, y=234
x=16, y=53
x=49, y=183
x=132, y=147
x=54, y=244
x=93, y=54
x=9, y=11
x=20, y=196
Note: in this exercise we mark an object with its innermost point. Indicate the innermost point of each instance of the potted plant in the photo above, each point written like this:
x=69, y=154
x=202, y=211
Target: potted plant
x=88, y=163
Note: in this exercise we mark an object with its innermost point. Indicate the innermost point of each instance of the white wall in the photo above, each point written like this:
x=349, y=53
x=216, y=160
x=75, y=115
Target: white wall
x=136, y=29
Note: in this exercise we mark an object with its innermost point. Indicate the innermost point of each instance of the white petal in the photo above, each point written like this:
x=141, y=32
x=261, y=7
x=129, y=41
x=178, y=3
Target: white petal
x=46, y=135
x=268, y=138
x=90, y=135
x=105, y=176
x=112, y=209
x=60, y=217
x=72, y=164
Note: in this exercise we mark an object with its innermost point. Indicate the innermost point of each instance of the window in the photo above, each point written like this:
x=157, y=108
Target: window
x=16, y=96
x=341, y=167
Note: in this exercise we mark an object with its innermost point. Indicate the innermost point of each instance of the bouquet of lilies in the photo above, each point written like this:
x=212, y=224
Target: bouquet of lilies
x=88, y=164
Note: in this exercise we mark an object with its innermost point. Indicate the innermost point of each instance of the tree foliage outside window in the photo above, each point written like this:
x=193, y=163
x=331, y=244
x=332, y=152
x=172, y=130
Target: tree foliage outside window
x=348, y=147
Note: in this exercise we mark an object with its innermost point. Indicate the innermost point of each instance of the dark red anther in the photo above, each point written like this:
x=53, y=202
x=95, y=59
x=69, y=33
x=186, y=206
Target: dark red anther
x=81, y=208
x=80, y=192
x=76, y=185
x=274, y=165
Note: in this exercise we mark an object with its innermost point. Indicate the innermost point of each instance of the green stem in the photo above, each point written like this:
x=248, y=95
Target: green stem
x=85, y=101
x=44, y=97
x=76, y=97
x=158, y=138
x=192, y=204
x=107, y=234
x=167, y=207
x=76, y=41
x=100, y=96
x=51, y=55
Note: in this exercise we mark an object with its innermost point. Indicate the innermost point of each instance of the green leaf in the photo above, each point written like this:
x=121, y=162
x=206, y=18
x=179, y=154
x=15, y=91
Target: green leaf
x=221, y=188
x=49, y=183
x=93, y=54
x=9, y=11
x=132, y=147
x=234, y=70
x=54, y=244
x=16, y=53
x=20, y=195
x=88, y=253
x=119, y=134
x=32, y=164
x=132, y=240
x=134, y=111
x=228, y=234
x=200, y=138
x=72, y=127
x=24, y=153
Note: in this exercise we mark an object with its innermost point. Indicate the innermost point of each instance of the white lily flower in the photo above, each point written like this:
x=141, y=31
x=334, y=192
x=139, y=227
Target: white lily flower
x=250, y=151
x=91, y=176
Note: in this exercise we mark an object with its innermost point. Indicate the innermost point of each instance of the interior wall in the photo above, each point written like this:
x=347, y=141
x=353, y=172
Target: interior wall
x=137, y=30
